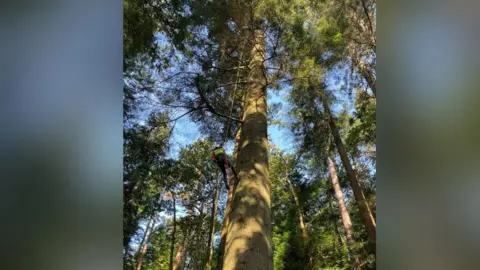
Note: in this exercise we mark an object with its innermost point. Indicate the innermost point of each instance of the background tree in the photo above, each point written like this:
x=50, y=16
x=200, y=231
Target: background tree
x=215, y=65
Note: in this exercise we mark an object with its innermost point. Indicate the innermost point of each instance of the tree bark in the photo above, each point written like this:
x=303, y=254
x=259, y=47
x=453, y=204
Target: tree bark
x=208, y=264
x=249, y=239
x=142, y=252
x=347, y=223
x=144, y=238
x=364, y=71
x=365, y=212
x=223, y=239
x=172, y=243
x=181, y=253
x=366, y=29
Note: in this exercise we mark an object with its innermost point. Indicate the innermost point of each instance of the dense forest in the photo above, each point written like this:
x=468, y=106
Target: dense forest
x=288, y=88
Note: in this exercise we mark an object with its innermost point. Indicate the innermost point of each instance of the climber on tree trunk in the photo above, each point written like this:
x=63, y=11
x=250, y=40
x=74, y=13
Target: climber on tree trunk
x=218, y=154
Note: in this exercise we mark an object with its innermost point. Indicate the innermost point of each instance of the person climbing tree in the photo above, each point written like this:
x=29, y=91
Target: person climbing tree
x=218, y=154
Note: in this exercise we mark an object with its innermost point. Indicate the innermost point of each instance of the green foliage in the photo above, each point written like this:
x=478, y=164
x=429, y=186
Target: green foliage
x=139, y=27
x=280, y=243
x=186, y=58
x=362, y=128
x=143, y=149
x=157, y=256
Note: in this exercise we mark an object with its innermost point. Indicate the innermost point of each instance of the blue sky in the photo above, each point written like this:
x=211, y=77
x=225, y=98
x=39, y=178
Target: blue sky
x=187, y=132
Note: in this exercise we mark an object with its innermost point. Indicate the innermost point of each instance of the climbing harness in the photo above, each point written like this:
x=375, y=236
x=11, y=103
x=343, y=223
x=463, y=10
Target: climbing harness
x=219, y=155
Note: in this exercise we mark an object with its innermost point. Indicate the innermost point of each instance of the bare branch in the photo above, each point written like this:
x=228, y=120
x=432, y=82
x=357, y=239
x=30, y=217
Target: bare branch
x=231, y=83
x=175, y=75
x=229, y=69
x=175, y=119
x=369, y=20
x=210, y=108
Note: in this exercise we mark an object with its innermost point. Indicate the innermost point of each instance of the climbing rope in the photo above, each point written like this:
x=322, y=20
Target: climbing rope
x=227, y=171
x=234, y=94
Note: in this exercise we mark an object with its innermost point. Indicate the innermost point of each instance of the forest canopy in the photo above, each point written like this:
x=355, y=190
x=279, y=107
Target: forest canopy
x=288, y=89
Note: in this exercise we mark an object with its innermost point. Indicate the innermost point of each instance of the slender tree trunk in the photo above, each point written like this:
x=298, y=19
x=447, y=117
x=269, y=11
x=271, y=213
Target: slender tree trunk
x=296, y=201
x=371, y=204
x=365, y=212
x=301, y=221
x=339, y=236
x=199, y=264
x=181, y=253
x=208, y=264
x=223, y=239
x=364, y=71
x=145, y=234
x=347, y=223
x=249, y=239
x=172, y=243
x=142, y=252
x=142, y=249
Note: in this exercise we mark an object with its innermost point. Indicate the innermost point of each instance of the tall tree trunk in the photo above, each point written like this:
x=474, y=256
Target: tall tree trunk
x=301, y=220
x=199, y=264
x=228, y=207
x=365, y=212
x=347, y=223
x=296, y=201
x=141, y=255
x=181, y=253
x=142, y=249
x=249, y=238
x=367, y=74
x=223, y=239
x=208, y=263
x=371, y=204
x=145, y=234
x=174, y=231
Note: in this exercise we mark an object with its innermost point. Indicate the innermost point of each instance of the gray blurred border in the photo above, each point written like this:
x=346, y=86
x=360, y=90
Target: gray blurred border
x=61, y=135
x=428, y=132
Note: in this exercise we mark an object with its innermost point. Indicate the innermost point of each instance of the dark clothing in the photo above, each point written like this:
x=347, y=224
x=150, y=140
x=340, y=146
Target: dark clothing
x=222, y=162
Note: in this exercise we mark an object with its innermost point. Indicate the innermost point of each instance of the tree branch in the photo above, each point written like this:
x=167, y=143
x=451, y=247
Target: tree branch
x=175, y=119
x=175, y=75
x=231, y=83
x=369, y=20
x=229, y=69
x=210, y=108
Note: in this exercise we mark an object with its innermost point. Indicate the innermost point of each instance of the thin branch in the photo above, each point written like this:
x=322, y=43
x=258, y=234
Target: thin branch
x=229, y=69
x=368, y=17
x=176, y=106
x=190, y=111
x=175, y=75
x=230, y=83
x=175, y=119
x=210, y=108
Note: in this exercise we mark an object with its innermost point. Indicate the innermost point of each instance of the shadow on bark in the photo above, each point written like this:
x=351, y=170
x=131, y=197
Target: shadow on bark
x=251, y=209
x=249, y=244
